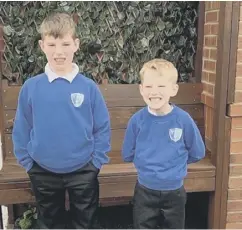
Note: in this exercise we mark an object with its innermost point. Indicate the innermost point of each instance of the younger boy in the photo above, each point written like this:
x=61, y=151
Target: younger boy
x=161, y=139
x=62, y=131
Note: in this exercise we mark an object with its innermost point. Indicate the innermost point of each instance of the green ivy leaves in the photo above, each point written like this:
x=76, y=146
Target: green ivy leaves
x=116, y=37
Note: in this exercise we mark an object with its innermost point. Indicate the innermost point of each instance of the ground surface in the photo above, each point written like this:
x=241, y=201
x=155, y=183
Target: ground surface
x=120, y=217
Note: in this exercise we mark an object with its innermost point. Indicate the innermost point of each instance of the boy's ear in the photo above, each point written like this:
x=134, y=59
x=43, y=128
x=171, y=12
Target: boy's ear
x=41, y=44
x=175, y=89
x=141, y=89
x=77, y=43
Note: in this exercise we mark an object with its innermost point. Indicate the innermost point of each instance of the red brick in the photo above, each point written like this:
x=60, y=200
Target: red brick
x=235, y=169
x=240, y=13
x=234, y=216
x=214, y=29
x=205, y=76
x=215, y=5
x=236, y=134
x=236, y=152
x=235, y=110
x=207, y=5
x=210, y=89
x=238, y=96
x=234, y=205
x=239, y=70
x=234, y=225
x=234, y=194
x=240, y=42
x=236, y=183
x=206, y=53
x=212, y=77
x=238, y=83
x=205, y=87
x=210, y=41
x=211, y=16
x=213, y=54
x=207, y=29
x=237, y=123
x=208, y=99
x=209, y=65
x=239, y=56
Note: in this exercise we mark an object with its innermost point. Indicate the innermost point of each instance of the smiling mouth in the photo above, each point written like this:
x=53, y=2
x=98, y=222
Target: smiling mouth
x=155, y=99
x=59, y=59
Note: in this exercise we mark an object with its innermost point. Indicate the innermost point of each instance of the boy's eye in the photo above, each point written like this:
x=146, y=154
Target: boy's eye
x=66, y=44
x=161, y=86
x=51, y=44
x=147, y=86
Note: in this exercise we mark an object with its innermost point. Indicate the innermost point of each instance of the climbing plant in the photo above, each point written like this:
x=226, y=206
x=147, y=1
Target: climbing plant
x=116, y=37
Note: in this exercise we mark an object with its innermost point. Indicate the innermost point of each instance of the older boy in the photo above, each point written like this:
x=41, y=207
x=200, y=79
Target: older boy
x=62, y=131
x=161, y=139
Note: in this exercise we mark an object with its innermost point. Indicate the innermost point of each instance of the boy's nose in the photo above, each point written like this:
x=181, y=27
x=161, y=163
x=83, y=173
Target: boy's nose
x=58, y=49
x=154, y=93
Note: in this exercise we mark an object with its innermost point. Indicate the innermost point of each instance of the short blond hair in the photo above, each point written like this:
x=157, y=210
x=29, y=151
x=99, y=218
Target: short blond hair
x=58, y=25
x=163, y=67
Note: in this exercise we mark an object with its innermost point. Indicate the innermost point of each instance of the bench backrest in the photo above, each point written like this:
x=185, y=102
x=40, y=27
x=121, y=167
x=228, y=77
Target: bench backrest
x=122, y=101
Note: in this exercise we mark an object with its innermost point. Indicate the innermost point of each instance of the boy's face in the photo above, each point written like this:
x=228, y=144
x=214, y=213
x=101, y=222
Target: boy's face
x=59, y=52
x=156, y=91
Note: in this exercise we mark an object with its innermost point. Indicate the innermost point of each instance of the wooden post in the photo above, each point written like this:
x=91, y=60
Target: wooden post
x=225, y=74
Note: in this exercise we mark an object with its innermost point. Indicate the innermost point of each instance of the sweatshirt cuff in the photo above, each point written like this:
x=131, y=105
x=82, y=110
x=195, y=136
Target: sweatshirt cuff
x=27, y=163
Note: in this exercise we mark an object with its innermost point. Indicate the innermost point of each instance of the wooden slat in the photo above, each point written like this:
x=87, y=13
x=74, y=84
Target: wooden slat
x=115, y=181
x=117, y=137
x=129, y=95
x=107, y=190
x=12, y=168
x=119, y=116
x=117, y=95
x=8, y=144
x=8, y=119
x=13, y=172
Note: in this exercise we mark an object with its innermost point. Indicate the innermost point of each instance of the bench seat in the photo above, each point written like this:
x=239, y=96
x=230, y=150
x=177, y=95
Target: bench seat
x=116, y=181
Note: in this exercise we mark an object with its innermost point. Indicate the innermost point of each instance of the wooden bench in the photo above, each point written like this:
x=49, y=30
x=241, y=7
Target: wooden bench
x=117, y=179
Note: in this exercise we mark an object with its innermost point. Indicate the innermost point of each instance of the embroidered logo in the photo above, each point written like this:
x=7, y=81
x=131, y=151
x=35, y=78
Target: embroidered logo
x=77, y=99
x=175, y=134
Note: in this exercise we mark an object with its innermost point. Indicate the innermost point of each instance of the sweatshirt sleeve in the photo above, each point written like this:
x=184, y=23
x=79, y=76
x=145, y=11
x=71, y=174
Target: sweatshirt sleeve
x=193, y=141
x=128, y=148
x=101, y=129
x=21, y=129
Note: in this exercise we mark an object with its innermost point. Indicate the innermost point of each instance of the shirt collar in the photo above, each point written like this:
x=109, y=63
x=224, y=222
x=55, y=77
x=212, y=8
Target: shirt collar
x=69, y=77
x=154, y=113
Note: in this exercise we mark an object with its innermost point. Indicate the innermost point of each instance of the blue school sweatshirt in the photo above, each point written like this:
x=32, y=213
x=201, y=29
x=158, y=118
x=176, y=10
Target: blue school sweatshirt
x=161, y=147
x=61, y=125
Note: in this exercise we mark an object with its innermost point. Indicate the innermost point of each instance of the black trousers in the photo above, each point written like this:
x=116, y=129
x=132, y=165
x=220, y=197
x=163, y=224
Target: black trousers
x=153, y=208
x=49, y=190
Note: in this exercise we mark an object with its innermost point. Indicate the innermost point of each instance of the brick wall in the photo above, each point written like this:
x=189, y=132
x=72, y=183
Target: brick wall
x=209, y=65
x=234, y=205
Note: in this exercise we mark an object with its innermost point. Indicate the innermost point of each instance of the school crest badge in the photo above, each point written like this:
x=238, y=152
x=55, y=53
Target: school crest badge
x=175, y=134
x=77, y=99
